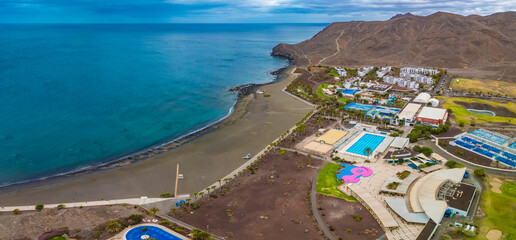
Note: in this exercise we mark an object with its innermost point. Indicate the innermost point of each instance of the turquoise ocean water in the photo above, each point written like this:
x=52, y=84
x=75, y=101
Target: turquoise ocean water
x=74, y=96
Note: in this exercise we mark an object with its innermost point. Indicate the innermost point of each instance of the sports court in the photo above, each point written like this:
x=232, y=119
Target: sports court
x=318, y=147
x=332, y=136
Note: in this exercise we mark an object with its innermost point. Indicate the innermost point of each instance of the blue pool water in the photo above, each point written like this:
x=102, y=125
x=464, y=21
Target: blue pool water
x=367, y=108
x=367, y=141
x=348, y=91
x=359, y=106
x=513, y=145
x=79, y=95
x=489, y=136
x=151, y=231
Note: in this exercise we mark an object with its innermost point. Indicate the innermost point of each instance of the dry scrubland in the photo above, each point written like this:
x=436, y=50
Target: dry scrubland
x=484, y=86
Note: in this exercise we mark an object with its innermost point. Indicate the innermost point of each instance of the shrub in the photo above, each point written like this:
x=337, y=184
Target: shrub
x=165, y=195
x=60, y=206
x=349, y=230
x=453, y=164
x=113, y=226
x=357, y=218
x=137, y=218
x=424, y=150
x=479, y=172
x=39, y=207
x=16, y=211
x=403, y=175
x=97, y=233
x=392, y=185
x=165, y=222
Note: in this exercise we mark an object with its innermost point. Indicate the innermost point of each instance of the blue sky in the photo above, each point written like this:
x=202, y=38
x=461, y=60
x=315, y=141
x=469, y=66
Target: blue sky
x=231, y=11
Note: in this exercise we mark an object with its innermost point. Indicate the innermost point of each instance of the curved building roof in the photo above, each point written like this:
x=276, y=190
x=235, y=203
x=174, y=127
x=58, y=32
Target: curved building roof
x=424, y=193
x=434, y=102
x=422, y=98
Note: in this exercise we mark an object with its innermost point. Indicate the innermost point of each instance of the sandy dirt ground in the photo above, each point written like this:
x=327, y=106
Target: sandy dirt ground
x=495, y=185
x=256, y=122
x=272, y=203
x=30, y=225
x=338, y=213
x=494, y=234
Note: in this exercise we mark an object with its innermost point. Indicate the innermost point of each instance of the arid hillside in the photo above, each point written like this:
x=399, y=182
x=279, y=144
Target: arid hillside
x=474, y=46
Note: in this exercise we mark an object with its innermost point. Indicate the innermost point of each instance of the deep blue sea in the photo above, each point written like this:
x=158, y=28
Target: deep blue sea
x=78, y=95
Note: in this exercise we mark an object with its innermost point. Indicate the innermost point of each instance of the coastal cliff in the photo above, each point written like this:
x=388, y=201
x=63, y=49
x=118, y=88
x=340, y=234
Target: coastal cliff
x=443, y=40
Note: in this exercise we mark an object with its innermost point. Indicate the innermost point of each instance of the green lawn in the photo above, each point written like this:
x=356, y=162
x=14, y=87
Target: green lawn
x=57, y=238
x=327, y=182
x=334, y=73
x=500, y=209
x=461, y=114
x=320, y=93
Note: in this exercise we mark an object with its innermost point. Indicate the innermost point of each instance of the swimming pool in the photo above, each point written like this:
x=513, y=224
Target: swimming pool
x=348, y=91
x=359, y=106
x=370, y=141
x=144, y=232
x=376, y=108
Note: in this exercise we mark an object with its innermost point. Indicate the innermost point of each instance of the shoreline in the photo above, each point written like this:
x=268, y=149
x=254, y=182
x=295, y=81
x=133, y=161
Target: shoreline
x=245, y=106
x=243, y=91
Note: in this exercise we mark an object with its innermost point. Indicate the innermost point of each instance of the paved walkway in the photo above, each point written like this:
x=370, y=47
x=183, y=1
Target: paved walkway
x=132, y=201
x=305, y=153
x=313, y=203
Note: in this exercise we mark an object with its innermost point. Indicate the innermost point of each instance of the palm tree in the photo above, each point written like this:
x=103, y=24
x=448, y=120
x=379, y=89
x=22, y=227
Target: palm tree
x=367, y=151
x=208, y=189
x=220, y=182
x=154, y=210
x=195, y=195
x=226, y=180
x=201, y=235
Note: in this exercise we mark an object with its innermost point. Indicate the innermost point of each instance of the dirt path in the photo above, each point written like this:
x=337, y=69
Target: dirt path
x=496, y=183
x=338, y=49
x=315, y=212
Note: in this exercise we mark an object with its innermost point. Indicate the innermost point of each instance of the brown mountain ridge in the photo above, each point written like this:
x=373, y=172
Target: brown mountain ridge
x=471, y=46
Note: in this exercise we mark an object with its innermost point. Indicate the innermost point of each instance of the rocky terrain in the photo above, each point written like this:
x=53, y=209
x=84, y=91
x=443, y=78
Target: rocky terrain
x=472, y=46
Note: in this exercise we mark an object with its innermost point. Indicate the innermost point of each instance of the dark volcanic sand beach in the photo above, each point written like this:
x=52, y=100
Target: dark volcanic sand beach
x=256, y=122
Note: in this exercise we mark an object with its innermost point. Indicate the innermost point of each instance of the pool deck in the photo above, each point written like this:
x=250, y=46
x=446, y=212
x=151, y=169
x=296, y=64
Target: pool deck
x=121, y=235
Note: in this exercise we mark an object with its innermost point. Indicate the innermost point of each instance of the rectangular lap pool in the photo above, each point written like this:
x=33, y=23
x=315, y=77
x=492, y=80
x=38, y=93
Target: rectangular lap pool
x=370, y=141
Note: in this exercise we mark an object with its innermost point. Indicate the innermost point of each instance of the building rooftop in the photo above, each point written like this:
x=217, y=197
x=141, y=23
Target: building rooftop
x=428, y=230
x=422, y=98
x=432, y=113
x=461, y=197
x=431, y=168
x=399, y=207
x=399, y=142
x=410, y=111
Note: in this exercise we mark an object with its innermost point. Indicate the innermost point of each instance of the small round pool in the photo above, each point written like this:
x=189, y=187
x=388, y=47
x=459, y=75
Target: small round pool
x=482, y=112
x=145, y=232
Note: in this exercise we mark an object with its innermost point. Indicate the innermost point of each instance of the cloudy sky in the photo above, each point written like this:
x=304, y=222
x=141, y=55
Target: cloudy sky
x=231, y=11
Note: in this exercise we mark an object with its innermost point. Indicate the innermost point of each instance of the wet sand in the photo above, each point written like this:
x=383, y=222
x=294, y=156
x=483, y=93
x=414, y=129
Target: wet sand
x=256, y=121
